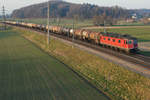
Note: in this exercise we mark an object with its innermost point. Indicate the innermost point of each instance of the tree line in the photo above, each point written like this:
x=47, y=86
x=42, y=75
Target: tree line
x=65, y=9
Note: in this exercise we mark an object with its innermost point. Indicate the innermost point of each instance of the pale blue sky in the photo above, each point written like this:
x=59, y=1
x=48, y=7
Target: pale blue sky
x=15, y=4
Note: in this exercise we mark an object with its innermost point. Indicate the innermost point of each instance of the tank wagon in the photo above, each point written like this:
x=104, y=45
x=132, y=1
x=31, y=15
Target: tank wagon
x=66, y=31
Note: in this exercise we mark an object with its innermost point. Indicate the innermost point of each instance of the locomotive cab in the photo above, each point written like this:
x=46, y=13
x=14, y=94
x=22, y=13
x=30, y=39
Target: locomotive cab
x=132, y=45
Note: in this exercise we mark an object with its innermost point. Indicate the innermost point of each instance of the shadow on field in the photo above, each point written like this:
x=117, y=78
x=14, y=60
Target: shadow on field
x=6, y=34
x=145, y=53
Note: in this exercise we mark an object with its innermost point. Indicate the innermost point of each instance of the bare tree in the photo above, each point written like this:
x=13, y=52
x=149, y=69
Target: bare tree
x=99, y=20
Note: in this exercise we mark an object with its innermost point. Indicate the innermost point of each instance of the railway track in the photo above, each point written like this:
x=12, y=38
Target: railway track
x=137, y=59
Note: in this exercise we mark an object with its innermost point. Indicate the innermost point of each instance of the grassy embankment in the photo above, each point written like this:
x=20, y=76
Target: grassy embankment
x=116, y=81
x=28, y=73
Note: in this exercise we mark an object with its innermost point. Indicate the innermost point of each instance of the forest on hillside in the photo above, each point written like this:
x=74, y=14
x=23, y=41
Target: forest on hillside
x=64, y=9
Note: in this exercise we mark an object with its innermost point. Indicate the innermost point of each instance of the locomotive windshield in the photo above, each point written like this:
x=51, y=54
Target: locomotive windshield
x=130, y=42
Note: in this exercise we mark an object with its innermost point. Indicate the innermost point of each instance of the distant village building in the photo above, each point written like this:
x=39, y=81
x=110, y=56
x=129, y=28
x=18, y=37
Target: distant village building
x=149, y=19
x=135, y=17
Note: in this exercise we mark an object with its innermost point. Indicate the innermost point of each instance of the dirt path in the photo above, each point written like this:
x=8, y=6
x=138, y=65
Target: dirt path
x=145, y=46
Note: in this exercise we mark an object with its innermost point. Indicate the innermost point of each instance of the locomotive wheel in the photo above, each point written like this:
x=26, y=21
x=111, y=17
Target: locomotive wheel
x=113, y=48
x=105, y=46
x=118, y=50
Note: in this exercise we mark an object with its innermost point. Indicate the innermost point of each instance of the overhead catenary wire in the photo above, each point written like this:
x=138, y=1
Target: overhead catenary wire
x=73, y=25
x=4, y=16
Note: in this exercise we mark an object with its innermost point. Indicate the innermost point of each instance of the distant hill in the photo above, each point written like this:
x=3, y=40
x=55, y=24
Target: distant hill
x=59, y=8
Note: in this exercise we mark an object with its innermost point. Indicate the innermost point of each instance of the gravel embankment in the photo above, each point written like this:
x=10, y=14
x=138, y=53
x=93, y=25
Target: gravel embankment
x=130, y=66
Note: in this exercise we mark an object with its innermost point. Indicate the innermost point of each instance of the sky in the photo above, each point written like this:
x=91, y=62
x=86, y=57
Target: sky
x=11, y=5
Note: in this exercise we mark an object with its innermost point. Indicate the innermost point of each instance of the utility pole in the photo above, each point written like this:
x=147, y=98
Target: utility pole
x=4, y=17
x=48, y=15
x=73, y=31
x=58, y=21
x=104, y=26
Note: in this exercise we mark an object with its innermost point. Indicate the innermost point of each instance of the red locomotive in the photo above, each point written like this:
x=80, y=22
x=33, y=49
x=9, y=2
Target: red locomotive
x=119, y=42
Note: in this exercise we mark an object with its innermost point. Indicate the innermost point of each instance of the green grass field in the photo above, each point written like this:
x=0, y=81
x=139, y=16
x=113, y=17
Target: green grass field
x=28, y=73
x=124, y=23
x=78, y=23
x=117, y=82
x=62, y=22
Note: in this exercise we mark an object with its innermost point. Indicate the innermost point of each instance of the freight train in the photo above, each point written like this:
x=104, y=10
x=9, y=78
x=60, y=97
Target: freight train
x=115, y=41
